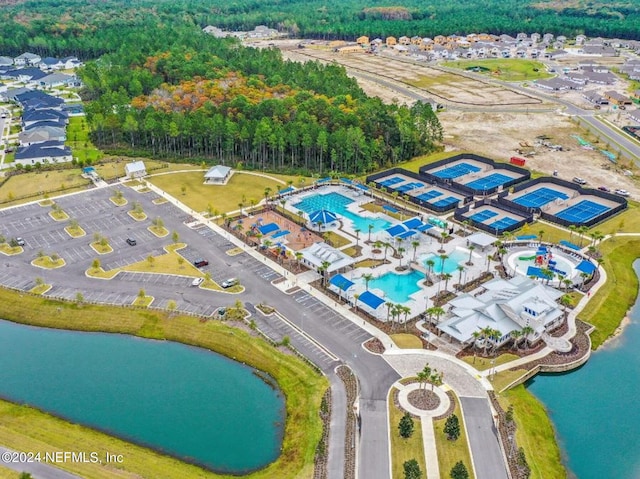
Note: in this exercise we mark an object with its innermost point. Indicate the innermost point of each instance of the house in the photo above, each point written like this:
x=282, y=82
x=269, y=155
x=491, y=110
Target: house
x=218, y=175
x=555, y=84
x=363, y=40
x=42, y=124
x=636, y=95
x=391, y=41
x=595, y=98
x=635, y=115
x=535, y=38
x=580, y=39
x=319, y=254
x=58, y=79
x=50, y=63
x=27, y=59
x=71, y=63
x=600, y=78
x=616, y=98
x=26, y=75
x=36, y=100
x=350, y=49
x=135, y=169
x=215, y=31
x=555, y=54
x=42, y=134
x=404, y=40
x=505, y=306
x=47, y=152
x=30, y=117
x=6, y=61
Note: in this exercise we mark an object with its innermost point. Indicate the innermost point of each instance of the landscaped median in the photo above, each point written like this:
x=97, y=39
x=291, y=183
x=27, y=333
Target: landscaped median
x=402, y=449
x=6, y=248
x=49, y=262
x=25, y=429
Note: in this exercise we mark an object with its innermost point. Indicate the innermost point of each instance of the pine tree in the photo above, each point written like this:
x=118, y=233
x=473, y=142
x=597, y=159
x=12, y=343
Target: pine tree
x=405, y=427
x=459, y=471
x=412, y=469
x=452, y=427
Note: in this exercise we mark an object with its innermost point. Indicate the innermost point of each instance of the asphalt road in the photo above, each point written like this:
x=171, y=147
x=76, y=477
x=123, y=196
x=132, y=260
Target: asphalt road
x=315, y=323
x=483, y=439
x=38, y=470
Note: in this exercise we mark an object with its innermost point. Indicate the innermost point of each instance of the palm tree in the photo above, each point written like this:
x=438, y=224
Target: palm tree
x=565, y=301
x=415, y=245
x=400, y=251
x=581, y=231
x=567, y=283
x=471, y=248
x=386, y=247
x=356, y=297
x=422, y=378
x=476, y=335
x=405, y=310
x=447, y=277
x=460, y=269
x=357, y=231
x=430, y=264
x=370, y=228
x=526, y=331
x=572, y=229
x=444, y=235
x=489, y=259
x=465, y=225
x=437, y=312
x=443, y=258
x=486, y=334
x=389, y=306
x=267, y=192
x=298, y=255
x=436, y=379
x=516, y=335
x=541, y=235
x=367, y=277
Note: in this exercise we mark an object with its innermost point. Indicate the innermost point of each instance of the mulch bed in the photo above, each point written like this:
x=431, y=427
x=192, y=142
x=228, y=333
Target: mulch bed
x=349, y=380
x=424, y=399
x=375, y=346
x=322, y=451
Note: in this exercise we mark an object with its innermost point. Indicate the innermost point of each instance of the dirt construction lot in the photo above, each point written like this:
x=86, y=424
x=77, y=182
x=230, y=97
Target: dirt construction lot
x=498, y=135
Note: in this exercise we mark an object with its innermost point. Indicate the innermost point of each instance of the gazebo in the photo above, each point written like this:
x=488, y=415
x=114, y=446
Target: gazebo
x=322, y=218
x=217, y=175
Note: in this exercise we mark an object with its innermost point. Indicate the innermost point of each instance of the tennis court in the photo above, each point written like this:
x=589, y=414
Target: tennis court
x=488, y=182
x=456, y=171
x=482, y=216
x=582, y=212
x=391, y=181
x=410, y=186
x=445, y=201
x=540, y=197
x=503, y=223
x=429, y=195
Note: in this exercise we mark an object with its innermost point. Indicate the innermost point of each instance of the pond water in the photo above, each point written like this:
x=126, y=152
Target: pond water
x=594, y=409
x=184, y=401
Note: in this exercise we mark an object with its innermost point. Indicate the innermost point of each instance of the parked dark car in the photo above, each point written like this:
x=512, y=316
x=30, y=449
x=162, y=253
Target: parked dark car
x=131, y=242
x=199, y=263
x=604, y=188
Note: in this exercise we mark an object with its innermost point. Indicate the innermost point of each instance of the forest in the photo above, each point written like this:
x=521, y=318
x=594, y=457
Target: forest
x=156, y=85
x=202, y=98
x=89, y=29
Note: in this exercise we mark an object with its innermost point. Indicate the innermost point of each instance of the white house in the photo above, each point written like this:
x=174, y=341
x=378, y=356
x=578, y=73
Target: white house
x=27, y=59
x=505, y=306
x=218, y=175
x=321, y=253
x=41, y=135
x=135, y=169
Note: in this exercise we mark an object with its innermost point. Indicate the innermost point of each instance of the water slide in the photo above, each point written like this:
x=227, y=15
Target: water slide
x=527, y=258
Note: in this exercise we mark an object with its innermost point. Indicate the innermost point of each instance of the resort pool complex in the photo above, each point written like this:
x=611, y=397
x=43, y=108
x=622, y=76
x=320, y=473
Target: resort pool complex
x=450, y=264
x=397, y=287
x=337, y=203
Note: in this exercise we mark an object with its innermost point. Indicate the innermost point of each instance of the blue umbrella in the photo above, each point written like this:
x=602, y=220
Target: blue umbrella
x=323, y=216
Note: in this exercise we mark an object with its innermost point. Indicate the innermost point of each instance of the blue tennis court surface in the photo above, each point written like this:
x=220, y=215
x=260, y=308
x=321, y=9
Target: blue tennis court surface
x=503, y=223
x=488, y=182
x=583, y=211
x=445, y=201
x=483, y=216
x=456, y=171
x=429, y=195
x=391, y=181
x=540, y=197
x=410, y=186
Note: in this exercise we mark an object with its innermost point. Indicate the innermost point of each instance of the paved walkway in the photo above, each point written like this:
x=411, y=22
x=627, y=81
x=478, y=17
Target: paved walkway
x=426, y=422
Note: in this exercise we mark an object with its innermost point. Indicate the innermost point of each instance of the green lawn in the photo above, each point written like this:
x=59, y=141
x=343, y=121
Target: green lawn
x=406, y=341
x=48, y=263
x=78, y=140
x=38, y=184
x=610, y=304
x=507, y=69
x=404, y=449
x=450, y=452
x=482, y=364
x=626, y=222
x=502, y=379
x=535, y=434
x=222, y=199
x=75, y=231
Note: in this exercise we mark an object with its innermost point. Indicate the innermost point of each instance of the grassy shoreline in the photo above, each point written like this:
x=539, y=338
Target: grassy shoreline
x=28, y=429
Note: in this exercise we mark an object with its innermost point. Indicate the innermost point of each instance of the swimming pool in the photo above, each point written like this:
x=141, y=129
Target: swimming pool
x=521, y=260
x=397, y=287
x=450, y=264
x=337, y=203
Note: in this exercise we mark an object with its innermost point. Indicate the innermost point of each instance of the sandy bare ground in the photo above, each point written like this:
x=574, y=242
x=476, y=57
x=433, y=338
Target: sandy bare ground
x=501, y=135
x=497, y=135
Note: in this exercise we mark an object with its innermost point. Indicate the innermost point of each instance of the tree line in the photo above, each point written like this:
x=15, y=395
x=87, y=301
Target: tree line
x=204, y=98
